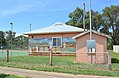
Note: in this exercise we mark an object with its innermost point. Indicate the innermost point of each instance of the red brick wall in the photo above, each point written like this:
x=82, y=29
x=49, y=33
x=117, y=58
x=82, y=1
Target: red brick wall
x=82, y=54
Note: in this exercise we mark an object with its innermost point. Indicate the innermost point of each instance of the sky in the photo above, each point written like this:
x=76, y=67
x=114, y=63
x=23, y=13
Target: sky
x=42, y=13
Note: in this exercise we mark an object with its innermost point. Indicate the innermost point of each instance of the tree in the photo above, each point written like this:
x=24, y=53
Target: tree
x=96, y=20
x=10, y=36
x=111, y=23
x=21, y=42
x=76, y=19
x=2, y=39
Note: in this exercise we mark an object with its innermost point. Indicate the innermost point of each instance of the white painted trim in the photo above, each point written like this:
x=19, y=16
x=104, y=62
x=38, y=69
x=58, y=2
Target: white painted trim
x=36, y=48
x=30, y=49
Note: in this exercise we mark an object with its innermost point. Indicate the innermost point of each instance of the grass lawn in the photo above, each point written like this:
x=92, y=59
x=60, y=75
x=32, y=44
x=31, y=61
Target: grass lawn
x=9, y=76
x=115, y=61
x=63, y=64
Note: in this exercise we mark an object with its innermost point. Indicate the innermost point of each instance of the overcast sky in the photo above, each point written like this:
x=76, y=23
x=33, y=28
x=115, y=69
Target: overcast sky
x=42, y=13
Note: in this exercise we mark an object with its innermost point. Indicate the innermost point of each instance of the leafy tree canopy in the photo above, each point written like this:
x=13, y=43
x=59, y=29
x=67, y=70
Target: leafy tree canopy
x=76, y=19
x=107, y=22
x=111, y=23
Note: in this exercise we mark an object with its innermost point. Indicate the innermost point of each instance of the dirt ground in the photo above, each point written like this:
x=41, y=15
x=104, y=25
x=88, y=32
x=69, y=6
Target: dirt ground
x=42, y=74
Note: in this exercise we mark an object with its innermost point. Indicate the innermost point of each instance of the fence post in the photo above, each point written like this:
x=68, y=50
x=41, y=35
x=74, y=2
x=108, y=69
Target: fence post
x=50, y=57
x=50, y=46
x=109, y=61
x=7, y=56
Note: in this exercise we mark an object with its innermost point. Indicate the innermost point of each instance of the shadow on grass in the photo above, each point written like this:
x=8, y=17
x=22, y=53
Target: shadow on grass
x=114, y=60
x=3, y=75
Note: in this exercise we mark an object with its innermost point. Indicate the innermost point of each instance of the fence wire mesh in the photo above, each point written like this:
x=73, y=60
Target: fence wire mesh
x=12, y=54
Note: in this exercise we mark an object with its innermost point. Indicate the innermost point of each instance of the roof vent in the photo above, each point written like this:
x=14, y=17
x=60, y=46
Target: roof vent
x=58, y=24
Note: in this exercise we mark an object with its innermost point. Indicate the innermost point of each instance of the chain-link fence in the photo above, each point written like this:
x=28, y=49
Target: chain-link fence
x=12, y=53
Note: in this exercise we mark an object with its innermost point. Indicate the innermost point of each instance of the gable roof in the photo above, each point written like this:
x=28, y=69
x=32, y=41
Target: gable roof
x=81, y=34
x=56, y=28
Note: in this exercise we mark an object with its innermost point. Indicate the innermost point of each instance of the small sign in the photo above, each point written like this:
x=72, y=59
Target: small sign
x=91, y=44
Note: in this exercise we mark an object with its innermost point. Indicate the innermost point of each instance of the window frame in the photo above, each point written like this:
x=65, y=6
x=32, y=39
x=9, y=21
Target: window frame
x=56, y=42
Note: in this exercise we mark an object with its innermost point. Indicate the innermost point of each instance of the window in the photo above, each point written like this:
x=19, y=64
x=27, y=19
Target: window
x=57, y=41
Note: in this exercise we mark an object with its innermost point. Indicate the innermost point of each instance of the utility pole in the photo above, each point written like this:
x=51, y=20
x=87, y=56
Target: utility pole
x=84, y=17
x=30, y=27
x=11, y=36
x=90, y=21
x=91, y=59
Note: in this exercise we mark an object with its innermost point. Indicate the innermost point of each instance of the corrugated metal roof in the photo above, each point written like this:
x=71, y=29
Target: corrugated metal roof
x=56, y=28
